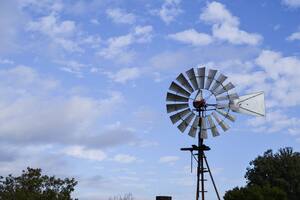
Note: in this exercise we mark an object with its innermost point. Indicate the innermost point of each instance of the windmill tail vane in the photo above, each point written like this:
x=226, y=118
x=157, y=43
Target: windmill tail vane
x=201, y=101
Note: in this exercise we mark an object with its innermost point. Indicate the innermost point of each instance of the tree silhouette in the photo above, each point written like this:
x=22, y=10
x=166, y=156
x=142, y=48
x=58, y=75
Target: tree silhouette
x=32, y=185
x=271, y=177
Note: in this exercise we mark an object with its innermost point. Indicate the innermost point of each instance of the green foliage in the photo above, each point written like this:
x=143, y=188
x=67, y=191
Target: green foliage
x=256, y=193
x=32, y=185
x=271, y=177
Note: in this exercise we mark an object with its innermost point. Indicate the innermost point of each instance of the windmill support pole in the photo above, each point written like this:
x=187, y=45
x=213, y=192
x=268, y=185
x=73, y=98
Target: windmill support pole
x=200, y=166
x=200, y=152
x=200, y=171
x=198, y=178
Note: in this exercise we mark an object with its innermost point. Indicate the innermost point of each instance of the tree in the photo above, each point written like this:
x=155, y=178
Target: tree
x=32, y=185
x=256, y=193
x=271, y=176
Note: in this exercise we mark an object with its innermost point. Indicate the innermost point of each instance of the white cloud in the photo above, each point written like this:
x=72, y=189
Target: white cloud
x=118, y=47
x=143, y=33
x=235, y=36
x=21, y=78
x=83, y=153
x=291, y=3
x=6, y=61
x=276, y=121
x=284, y=73
x=33, y=112
x=120, y=16
x=93, y=41
x=217, y=13
x=191, y=36
x=95, y=21
x=276, y=65
x=61, y=32
x=124, y=158
x=225, y=26
x=52, y=26
x=170, y=10
x=72, y=66
x=294, y=36
x=276, y=27
x=38, y=6
x=168, y=159
x=125, y=74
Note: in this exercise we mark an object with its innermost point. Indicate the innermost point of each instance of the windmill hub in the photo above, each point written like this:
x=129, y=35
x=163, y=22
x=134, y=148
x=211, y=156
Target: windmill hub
x=198, y=104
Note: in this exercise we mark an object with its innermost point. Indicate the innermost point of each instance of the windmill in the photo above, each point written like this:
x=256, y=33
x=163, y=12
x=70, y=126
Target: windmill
x=201, y=101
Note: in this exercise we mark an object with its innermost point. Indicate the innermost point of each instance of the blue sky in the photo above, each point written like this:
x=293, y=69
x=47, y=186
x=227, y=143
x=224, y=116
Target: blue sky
x=83, y=87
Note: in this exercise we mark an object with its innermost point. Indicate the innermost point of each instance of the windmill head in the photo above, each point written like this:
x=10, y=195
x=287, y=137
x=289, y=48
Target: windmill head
x=202, y=100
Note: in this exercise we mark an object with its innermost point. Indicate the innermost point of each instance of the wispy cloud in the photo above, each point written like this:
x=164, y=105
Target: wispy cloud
x=225, y=27
x=276, y=121
x=168, y=159
x=294, y=36
x=170, y=9
x=61, y=32
x=118, y=47
x=120, y=16
x=72, y=67
x=83, y=153
x=124, y=158
x=6, y=61
x=70, y=119
x=125, y=74
x=191, y=36
x=291, y=3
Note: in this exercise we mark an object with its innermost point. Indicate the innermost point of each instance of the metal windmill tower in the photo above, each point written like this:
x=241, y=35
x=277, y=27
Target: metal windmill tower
x=201, y=100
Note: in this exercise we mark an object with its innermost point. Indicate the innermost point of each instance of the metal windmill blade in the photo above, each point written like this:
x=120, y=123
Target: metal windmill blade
x=219, y=81
x=222, y=105
x=180, y=115
x=226, y=88
x=186, y=122
x=223, y=125
x=176, y=98
x=184, y=82
x=201, y=77
x=192, y=77
x=210, y=78
x=229, y=97
x=213, y=127
x=226, y=115
x=178, y=89
x=203, y=134
x=176, y=107
x=194, y=127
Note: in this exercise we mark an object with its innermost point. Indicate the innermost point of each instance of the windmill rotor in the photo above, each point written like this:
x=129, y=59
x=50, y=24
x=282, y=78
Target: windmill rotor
x=208, y=90
x=200, y=89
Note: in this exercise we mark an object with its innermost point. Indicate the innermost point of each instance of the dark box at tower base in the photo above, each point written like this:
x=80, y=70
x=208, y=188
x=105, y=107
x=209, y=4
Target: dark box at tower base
x=163, y=198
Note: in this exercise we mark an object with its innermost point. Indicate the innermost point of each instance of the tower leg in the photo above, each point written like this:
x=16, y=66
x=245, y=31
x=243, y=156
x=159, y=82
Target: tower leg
x=211, y=177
